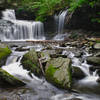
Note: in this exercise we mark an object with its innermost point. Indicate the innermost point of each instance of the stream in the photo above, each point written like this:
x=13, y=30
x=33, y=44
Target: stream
x=39, y=89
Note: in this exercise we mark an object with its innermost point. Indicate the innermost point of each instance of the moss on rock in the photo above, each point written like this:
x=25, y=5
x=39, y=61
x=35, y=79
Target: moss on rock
x=31, y=63
x=58, y=71
x=4, y=53
x=7, y=80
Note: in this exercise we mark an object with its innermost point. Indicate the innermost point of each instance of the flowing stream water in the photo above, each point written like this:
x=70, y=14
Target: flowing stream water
x=39, y=88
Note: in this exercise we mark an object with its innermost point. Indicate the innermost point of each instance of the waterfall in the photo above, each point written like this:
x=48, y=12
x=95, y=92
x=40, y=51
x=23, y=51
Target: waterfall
x=59, y=19
x=21, y=30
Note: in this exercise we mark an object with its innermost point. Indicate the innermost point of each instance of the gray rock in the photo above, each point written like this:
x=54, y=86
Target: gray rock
x=93, y=60
x=97, y=54
x=75, y=99
x=77, y=73
x=97, y=46
x=22, y=49
x=58, y=71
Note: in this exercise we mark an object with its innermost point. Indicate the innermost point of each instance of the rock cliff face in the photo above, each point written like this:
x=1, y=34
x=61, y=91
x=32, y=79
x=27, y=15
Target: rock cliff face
x=82, y=18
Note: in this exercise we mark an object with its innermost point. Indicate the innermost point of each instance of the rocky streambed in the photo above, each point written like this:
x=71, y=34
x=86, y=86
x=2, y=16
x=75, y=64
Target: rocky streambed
x=53, y=71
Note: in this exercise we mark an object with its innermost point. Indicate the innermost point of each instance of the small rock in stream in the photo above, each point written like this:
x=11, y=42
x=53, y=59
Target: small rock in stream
x=97, y=46
x=93, y=60
x=77, y=73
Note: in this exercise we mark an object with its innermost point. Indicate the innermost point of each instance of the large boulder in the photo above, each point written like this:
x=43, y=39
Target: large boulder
x=4, y=53
x=93, y=60
x=58, y=71
x=31, y=63
x=7, y=80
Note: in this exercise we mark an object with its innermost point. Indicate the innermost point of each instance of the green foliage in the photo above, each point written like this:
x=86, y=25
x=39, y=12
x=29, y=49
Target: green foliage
x=74, y=4
x=79, y=3
x=44, y=8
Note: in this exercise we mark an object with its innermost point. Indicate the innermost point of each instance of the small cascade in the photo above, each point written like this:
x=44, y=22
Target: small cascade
x=41, y=88
x=90, y=78
x=9, y=14
x=21, y=30
x=59, y=19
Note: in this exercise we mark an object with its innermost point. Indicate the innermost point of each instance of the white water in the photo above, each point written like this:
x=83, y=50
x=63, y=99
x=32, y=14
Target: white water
x=90, y=78
x=60, y=21
x=21, y=30
x=43, y=89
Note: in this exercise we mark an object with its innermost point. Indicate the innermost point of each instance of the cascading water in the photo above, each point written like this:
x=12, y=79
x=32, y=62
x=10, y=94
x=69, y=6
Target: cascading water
x=21, y=30
x=36, y=88
x=59, y=19
x=90, y=78
x=41, y=89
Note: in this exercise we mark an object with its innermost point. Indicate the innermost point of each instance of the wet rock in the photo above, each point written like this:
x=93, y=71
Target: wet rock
x=93, y=60
x=93, y=68
x=78, y=53
x=4, y=53
x=77, y=73
x=7, y=80
x=98, y=72
x=97, y=54
x=98, y=80
x=12, y=46
x=31, y=63
x=58, y=71
x=22, y=49
x=45, y=56
x=75, y=99
x=97, y=46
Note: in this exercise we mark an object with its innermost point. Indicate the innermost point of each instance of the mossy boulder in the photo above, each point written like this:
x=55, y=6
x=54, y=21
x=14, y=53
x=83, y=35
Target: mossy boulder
x=58, y=71
x=4, y=53
x=31, y=63
x=93, y=60
x=7, y=80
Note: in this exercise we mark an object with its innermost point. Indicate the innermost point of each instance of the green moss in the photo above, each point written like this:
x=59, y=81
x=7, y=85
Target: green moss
x=50, y=76
x=31, y=63
x=4, y=52
x=58, y=72
x=50, y=71
x=31, y=67
x=9, y=80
